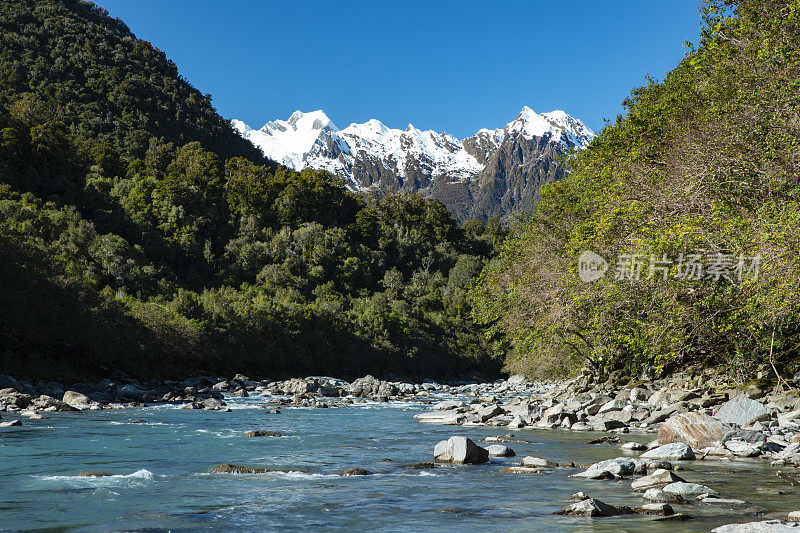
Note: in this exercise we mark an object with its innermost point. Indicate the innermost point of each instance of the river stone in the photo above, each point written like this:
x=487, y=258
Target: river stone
x=743, y=449
x=674, y=451
x=740, y=411
x=498, y=450
x=490, y=411
x=593, y=507
x=765, y=526
x=688, y=489
x=537, y=462
x=578, y=496
x=93, y=474
x=659, y=496
x=228, y=468
x=419, y=466
x=446, y=405
x=521, y=470
x=459, y=450
x=695, y=429
x=712, y=500
x=357, y=472
x=660, y=477
x=662, y=509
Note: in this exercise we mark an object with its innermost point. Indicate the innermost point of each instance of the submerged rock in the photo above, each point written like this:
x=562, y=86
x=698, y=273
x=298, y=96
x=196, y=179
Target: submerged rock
x=261, y=433
x=228, y=468
x=357, y=472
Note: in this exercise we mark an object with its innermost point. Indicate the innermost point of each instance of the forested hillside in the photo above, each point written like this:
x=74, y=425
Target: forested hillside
x=139, y=233
x=704, y=163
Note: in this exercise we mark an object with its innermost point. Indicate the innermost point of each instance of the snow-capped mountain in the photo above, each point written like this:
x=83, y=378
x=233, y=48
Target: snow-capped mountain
x=494, y=172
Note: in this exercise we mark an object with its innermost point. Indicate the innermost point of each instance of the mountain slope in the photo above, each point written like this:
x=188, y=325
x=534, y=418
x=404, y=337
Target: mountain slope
x=494, y=172
x=139, y=233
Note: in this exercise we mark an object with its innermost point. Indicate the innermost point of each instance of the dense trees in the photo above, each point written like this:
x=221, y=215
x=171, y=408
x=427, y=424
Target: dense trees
x=705, y=162
x=152, y=222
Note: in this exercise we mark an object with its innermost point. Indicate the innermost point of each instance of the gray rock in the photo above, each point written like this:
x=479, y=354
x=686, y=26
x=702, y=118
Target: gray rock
x=537, y=462
x=498, y=450
x=740, y=411
x=674, y=451
x=459, y=450
x=661, y=509
x=743, y=449
x=764, y=526
x=633, y=446
x=659, y=478
x=659, y=496
x=688, y=489
x=79, y=401
x=593, y=507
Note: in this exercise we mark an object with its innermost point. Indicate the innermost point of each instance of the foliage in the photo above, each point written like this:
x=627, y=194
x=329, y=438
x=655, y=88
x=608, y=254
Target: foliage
x=705, y=161
x=150, y=220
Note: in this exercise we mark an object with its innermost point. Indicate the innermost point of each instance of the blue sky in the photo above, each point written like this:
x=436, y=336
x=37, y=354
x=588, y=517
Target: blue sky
x=448, y=66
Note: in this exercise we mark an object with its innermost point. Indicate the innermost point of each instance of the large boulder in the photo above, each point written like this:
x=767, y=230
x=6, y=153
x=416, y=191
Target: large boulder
x=674, y=451
x=371, y=386
x=741, y=410
x=695, y=429
x=79, y=401
x=459, y=450
x=593, y=507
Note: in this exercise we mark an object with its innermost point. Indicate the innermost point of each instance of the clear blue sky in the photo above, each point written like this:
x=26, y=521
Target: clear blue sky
x=450, y=66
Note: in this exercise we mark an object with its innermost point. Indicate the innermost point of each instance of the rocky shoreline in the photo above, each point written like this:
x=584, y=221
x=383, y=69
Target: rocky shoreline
x=693, y=417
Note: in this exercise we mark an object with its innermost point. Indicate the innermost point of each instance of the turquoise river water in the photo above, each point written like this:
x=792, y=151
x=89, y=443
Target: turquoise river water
x=161, y=477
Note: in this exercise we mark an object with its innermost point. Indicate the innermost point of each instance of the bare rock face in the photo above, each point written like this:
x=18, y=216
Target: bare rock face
x=459, y=450
x=695, y=429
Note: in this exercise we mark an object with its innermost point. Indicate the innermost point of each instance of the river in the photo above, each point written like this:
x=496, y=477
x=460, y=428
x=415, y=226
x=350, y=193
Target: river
x=161, y=476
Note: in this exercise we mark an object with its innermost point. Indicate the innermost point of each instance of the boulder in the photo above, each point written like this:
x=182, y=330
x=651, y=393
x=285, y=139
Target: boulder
x=695, y=429
x=659, y=496
x=537, y=462
x=661, y=509
x=490, y=411
x=764, y=526
x=633, y=446
x=79, y=401
x=621, y=466
x=459, y=450
x=743, y=449
x=48, y=403
x=659, y=478
x=740, y=411
x=593, y=507
x=688, y=489
x=498, y=450
x=674, y=451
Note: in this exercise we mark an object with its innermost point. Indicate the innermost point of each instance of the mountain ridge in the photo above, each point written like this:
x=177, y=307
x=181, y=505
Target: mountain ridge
x=375, y=159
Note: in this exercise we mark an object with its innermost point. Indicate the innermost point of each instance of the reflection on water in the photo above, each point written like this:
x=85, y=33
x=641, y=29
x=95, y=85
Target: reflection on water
x=159, y=475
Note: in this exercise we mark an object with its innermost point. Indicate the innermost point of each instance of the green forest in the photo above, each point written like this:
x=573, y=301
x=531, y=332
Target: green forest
x=139, y=233
x=704, y=162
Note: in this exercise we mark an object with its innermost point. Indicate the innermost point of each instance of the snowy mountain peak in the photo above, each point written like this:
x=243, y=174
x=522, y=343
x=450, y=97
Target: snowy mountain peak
x=374, y=157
